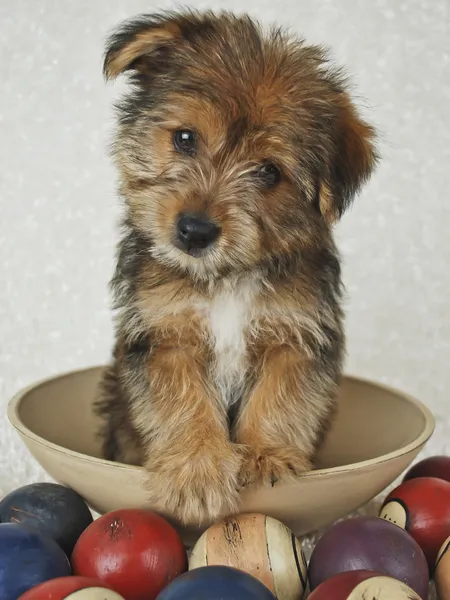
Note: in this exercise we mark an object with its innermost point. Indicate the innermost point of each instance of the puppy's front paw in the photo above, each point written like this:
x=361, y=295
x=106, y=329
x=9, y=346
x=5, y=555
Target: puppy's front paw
x=270, y=465
x=195, y=487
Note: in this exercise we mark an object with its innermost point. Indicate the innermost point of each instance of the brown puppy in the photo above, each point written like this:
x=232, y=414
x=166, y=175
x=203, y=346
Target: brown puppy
x=237, y=150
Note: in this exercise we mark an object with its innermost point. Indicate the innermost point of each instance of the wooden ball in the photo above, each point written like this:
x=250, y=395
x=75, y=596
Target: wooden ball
x=442, y=571
x=55, y=510
x=89, y=594
x=361, y=585
x=71, y=588
x=216, y=583
x=134, y=551
x=434, y=466
x=422, y=507
x=373, y=544
x=258, y=545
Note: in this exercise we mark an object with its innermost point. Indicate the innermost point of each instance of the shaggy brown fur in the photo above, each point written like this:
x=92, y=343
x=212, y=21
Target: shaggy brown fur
x=227, y=358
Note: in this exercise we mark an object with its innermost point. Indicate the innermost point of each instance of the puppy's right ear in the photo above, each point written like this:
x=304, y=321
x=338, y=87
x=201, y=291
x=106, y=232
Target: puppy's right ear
x=138, y=42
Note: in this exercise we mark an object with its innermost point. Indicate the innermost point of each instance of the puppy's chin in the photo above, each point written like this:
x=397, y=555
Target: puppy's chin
x=199, y=264
x=194, y=252
x=207, y=264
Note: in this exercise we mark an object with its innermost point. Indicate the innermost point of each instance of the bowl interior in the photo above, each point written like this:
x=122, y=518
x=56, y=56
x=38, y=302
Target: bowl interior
x=371, y=421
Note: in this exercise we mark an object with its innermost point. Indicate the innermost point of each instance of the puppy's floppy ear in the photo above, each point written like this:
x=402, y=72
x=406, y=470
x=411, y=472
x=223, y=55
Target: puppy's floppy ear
x=351, y=162
x=137, y=41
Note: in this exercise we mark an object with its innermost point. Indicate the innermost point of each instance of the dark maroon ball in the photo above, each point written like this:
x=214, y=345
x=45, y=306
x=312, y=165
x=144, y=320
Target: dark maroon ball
x=373, y=544
x=434, y=466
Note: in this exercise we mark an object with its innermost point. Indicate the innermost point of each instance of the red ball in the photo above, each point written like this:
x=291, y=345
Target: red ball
x=134, y=551
x=354, y=585
x=422, y=507
x=62, y=587
x=434, y=466
x=339, y=586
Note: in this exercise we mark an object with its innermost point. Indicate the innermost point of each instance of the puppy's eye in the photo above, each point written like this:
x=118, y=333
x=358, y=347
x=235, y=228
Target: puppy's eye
x=269, y=174
x=185, y=141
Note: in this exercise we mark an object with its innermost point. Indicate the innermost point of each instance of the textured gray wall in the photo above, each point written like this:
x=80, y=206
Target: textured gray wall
x=59, y=207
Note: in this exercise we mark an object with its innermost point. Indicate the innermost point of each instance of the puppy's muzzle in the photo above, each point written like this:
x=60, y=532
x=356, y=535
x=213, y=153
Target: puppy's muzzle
x=195, y=232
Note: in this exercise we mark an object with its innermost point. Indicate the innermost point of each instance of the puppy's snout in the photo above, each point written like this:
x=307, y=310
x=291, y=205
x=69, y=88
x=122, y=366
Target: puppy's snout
x=196, y=231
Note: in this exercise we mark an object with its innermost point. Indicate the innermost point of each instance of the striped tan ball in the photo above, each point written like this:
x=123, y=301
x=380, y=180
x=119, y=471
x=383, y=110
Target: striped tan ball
x=259, y=545
x=442, y=571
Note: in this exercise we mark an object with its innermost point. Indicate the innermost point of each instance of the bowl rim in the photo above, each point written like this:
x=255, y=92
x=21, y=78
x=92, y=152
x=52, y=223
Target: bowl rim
x=420, y=441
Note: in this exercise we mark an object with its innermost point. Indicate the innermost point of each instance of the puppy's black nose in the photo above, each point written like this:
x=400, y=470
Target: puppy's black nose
x=196, y=231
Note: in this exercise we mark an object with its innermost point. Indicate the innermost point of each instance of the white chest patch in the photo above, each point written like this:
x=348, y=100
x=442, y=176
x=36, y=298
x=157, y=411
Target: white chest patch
x=230, y=313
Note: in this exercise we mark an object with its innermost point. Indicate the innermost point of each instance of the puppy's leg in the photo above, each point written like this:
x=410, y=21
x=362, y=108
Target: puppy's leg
x=192, y=465
x=120, y=441
x=280, y=422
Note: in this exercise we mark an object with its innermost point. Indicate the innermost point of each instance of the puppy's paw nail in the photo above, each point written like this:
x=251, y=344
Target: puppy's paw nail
x=292, y=468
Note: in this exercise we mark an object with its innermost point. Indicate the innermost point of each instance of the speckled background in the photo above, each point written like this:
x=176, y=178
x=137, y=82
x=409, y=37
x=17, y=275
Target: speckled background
x=59, y=207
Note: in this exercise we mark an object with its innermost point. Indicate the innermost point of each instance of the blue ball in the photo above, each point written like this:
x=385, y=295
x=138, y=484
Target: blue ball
x=216, y=583
x=55, y=510
x=27, y=558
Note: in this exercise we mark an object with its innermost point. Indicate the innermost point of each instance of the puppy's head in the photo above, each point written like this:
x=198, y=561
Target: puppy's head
x=234, y=146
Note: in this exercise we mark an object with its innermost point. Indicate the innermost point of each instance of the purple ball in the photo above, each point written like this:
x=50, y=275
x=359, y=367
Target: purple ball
x=369, y=543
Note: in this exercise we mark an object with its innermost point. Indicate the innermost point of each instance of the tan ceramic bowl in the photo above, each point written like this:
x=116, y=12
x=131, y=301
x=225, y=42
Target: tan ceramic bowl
x=377, y=433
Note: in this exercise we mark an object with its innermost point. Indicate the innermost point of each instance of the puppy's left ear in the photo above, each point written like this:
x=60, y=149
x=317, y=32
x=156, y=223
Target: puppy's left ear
x=139, y=44
x=351, y=162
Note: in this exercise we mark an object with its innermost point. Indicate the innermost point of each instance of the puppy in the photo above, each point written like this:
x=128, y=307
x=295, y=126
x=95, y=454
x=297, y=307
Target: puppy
x=237, y=151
